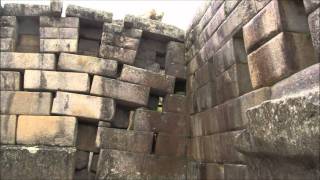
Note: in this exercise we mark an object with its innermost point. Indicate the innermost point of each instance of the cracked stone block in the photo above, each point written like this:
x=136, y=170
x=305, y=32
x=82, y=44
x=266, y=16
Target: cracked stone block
x=91, y=107
x=125, y=93
x=94, y=162
x=28, y=103
x=61, y=22
x=88, y=64
x=8, y=124
x=59, y=45
x=160, y=84
x=9, y=81
x=126, y=56
x=126, y=140
x=314, y=26
x=88, y=14
x=280, y=57
x=205, y=74
x=206, y=96
x=177, y=70
x=53, y=81
x=86, y=137
x=88, y=47
x=175, y=103
x=278, y=16
x=171, y=145
x=212, y=171
x=47, y=130
x=121, y=118
x=21, y=61
x=7, y=44
x=19, y=162
x=8, y=21
x=13, y=9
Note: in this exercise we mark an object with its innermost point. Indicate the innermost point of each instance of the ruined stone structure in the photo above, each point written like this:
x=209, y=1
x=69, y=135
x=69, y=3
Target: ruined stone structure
x=235, y=97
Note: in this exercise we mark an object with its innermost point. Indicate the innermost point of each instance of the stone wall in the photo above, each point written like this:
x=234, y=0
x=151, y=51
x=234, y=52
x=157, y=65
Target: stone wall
x=242, y=53
x=85, y=96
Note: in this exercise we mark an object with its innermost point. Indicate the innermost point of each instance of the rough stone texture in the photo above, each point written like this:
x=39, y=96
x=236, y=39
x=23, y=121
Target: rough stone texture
x=235, y=172
x=120, y=40
x=121, y=118
x=154, y=27
x=58, y=33
x=47, y=130
x=160, y=84
x=126, y=93
x=13, y=9
x=8, y=125
x=126, y=56
x=7, y=32
x=59, y=45
x=29, y=103
x=19, y=162
x=304, y=80
x=280, y=57
x=15, y=60
x=177, y=70
x=86, y=138
x=89, y=14
x=310, y=5
x=91, y=107
x=61, y=22
x=9, y=81
x=175, y=53
x=278, y=16
x=8, y=21
x=7, y=44
x=175, y=103
x=82, y=160
x=314, y=27
x=56, y=7
x=171, y=145
x=53, y=81
x=125, y=140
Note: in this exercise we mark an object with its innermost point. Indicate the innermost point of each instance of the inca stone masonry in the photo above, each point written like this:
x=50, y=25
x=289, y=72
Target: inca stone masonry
x=235, y=97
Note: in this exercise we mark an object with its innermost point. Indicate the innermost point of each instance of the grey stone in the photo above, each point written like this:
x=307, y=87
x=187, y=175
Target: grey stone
x=175, y=103
x=175, y=53
x=118, y=29
x=86, y=137
x=314, y=26
x=89, y=14
x=8, y=21
x=120, y=40
x=8, y=124
x=311, y=5
x=121, y=118
x=126, y=56
x=212, y=171
x=62, y=22
x=56, y=7
x=94, y=162
x=171, y=145
x=88, y=47
x=9, y=81
x=13, y=9
x=7, y=32
x=236, y=172
x=58, y=33
x=59, y=45
x=82, y=159
x=177, y=70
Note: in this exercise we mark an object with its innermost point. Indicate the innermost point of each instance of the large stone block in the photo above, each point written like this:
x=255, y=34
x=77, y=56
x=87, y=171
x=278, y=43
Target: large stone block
x=86, y=137
x=8, y=32
x=121, y=118
x=8, y=21
x=13, y=9
x=82, y=159
x=212, y=170
x=205, y=74
x=119, y=29
x=8, y=124
x=126, y=56
x=175, y=53
x=47, y=130
x=235, y=172
x=29, y=103
x=314, y=26
x=56, y=7
x=58, y=33
x=61, y=22
x=206, y=96
x=88, y=47
x=92, y=33
x=310, y=5
x=278, y=16
x=9, y=81
x=7, y=44
x=120, y=40
x=19, y=162
x=177, y=70
x=88, y=14
x=299, y=82
x=171, y=145
x=15, y=60
x=175, y=103
x=53, y=81
x=79, y=105
x=59, y=45
x=126, y=140
x=126, y=93
x=280, y=57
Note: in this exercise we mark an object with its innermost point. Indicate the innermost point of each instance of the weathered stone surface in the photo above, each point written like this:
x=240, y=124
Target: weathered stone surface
x=126, y=93
x=19, y=162
x=212, y=170
x=13, y=9
x=84, y=174
x=126, y=56
x=177, y=70
x=206, y=97
x=310, y=5
x=118, y=29
x=79, y=105
x=94, y=162
x=154, y=27
x=86, y=138
x=89, y=14
x=104, y=124
x=175, y=103
x=82, y=160
x=53, y=81
x=175, y=53
x=28, y=42
x=304, y=80
x=171, y=145
x=314, y=26
x=92, y=33
x=278, y=16
x=58, y=33
x=7, y=32
x=193, y=170
x=59, y=45
x=235, y=172
x=7, y=44
x=126, y=140
x=19, y=102
x=88, y=47
x=47, y=130
x=205, y=74
x=8, y=21
x=56, y=7
x=280, y=57
x=88, y=64
x=61, y=22
x=15, y=60
x=121, y=118
x=159, y=83
x=8, y=125
x=120, y=40
x=9, y=81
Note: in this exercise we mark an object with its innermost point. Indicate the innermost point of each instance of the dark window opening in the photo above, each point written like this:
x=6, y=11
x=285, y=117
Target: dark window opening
x=89, y=37
x=28, y=34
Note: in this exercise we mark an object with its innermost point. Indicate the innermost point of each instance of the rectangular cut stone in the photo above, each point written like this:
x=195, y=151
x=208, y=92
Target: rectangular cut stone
x=8, y=125
x=175, y=103
x=314, y=26
x=53, y=81
x=120, y=40
x=155, y=27
x=42, y=162
x=236, y=171
x=212, y=170
x=126, y=140
x=175, y=53
x=88, y=64
x=61, y=22
x=47, y=130
x=82, y=159
x=59, y=45
x=58, y=33
x=7, y=44
x=170, y=145
x=28, y=43
x=118, y=29
x=126, y=56
x=15, y=60
x=280, y=57
x=229, y=153
x=121, y=118
x=86, y=137
x=205, y=74
x=126, y=93
x=146, y=120
x=91, y=107
x=276, y=17
x=13, y=9
x=310, y=5
x=177, y=70
x=94, y=162
x=29, y=103
x=206, y=96
x=8, y=32
x=9, y=81
x=160, y=84
x=56, y=7
x=88, y=14
x=8, y=21
x=304, y=80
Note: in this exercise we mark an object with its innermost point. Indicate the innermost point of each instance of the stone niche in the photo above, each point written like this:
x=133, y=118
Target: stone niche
x=90, y=33
x=28, y=35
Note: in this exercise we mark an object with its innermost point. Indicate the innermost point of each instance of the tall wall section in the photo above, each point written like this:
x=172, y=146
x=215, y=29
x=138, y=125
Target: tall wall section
x=260, y=56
